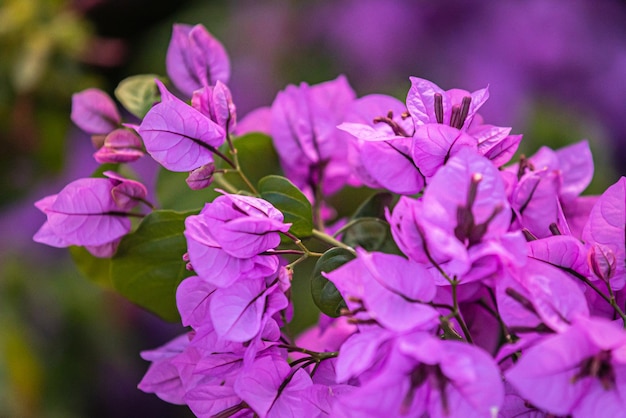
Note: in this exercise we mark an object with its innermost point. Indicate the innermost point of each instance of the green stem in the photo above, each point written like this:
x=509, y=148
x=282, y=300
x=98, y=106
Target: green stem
x=239, y=171
x=224, y=184
x=324, y=237
x=315, y=354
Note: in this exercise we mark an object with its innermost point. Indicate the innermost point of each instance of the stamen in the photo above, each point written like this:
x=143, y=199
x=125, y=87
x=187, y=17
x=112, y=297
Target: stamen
x=554, y=229
x=397, y=129
x=454, y=118
x=439, y=107
x=405, y=115
x=465, y=105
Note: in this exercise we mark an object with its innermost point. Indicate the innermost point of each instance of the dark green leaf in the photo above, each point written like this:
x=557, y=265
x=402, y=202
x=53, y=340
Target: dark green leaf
x=173, y=193
x=148, y=265
x=98, y=270
x=138, y=93
x=325, y=294
x=257, y=159
x=374, y=206
x=368, y=228
x=288, y=199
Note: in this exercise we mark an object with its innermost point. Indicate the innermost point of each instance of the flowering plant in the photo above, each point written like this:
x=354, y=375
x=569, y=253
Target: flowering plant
x=464, y=285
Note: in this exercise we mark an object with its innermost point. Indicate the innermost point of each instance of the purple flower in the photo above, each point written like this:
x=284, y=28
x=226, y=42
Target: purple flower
x=91, y=212
x=313, y=152
x=228, y=237
x=381, y=132
x=201, y=177
x=163, y=377
x=461, y=221
x=388, y=289
x=417, y=374
x=217, y=103
x=120, y=146
x=195, y=59
x=95, y=112
x=179, y=137
x=429, y=104
x=606, y=226
x=273, y=389
x=580, y=371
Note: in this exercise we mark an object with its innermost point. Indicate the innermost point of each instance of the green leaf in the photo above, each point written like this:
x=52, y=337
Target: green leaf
x=368, y=228
x=288, y=199
x=324, y=293
x=173, y=193
x=374, y=206
x=138, y=93
x=98, y=270
x=257, y=158
x=148, y=265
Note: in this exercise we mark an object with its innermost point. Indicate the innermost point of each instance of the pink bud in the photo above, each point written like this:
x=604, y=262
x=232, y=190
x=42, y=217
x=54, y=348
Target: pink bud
x=201, y=177
x=602, y=261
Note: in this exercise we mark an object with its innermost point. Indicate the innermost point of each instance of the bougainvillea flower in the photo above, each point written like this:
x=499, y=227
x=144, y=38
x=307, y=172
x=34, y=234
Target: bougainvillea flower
x=381, y=132
x=193, y=297
x=195, y=59
x=434, y=144
x=120, y=146
x=272, y=389
x=428, y=103
x=229, y=235
x=418, y=374
x=304, y=130
x=580, y=371
x=91, y=212
x=177, y=136
x=238, y=310
x=244, y=226
x=495, y=143
x=162, y=377
x=540, y=294
x=606, y=226
x=391, y=289
x=201, y=177
x=461, y=223
x=216, y=102
x=95, y=112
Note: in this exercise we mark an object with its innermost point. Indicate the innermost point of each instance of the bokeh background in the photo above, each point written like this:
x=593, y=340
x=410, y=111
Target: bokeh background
x=556, y=70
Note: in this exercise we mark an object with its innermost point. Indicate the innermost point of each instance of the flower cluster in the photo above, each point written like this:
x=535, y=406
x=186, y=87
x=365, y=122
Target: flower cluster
x=477, y=287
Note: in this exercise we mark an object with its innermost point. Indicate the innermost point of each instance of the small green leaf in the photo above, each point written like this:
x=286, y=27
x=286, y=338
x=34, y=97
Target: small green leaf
x=288, y=199
x=138, y=93
x=148, y=265
x=98, y=270
x=374, y=206
x=324, y=293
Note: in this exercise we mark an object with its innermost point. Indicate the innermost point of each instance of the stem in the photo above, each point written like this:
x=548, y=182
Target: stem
x=456, y=313
x=237, y=167
x=324, y=237
x=224, y=157
x=317, y=207
x=225, y=184
x=315, y=354
x=613, y=302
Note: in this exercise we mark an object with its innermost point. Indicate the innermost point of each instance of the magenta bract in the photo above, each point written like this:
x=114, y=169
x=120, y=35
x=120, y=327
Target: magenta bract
x=195, y=59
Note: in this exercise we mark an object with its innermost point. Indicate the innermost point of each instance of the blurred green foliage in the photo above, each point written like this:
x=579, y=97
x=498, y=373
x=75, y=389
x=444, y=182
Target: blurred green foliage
x=40, y=41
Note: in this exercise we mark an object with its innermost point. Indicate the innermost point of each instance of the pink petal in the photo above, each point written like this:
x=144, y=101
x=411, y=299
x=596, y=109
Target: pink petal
x=94, y=112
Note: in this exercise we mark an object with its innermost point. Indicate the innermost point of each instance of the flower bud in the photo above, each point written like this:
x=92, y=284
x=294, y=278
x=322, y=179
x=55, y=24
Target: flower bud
x=601, y=259
x=201, y=177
